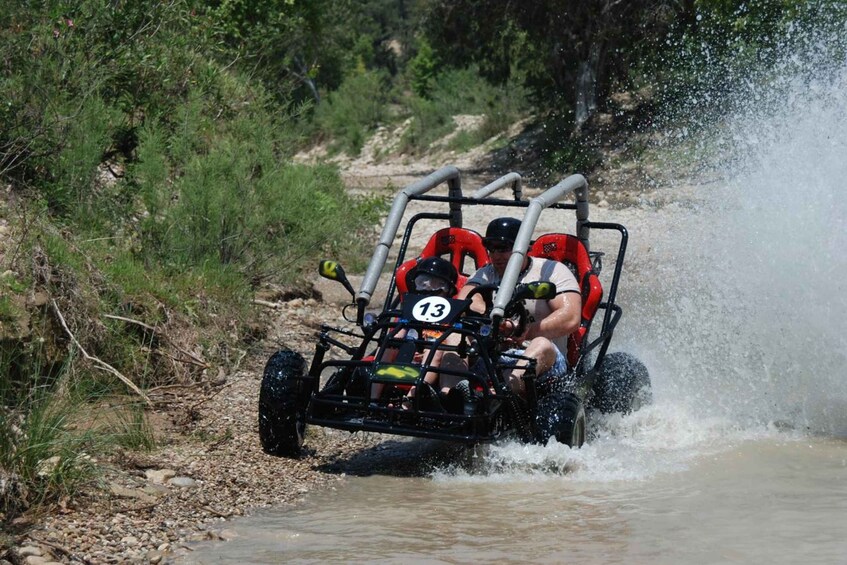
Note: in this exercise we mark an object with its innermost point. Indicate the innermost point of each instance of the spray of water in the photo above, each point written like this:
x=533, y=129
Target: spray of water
x=752, y=328
x=738, y=304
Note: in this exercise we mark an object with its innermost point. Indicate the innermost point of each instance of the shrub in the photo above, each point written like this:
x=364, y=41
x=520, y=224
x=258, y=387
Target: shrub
x=348, y=114
x=42, y=458
x=463, y=91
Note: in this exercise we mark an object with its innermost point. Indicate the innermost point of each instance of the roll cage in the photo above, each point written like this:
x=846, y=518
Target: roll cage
x=549, y=199
x=345, y=401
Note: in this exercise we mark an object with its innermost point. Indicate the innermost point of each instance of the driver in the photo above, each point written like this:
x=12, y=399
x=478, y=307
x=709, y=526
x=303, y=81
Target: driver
x=544, y=338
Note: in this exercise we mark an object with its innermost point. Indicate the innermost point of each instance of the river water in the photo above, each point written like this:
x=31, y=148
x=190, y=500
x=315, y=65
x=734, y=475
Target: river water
x=734, y=297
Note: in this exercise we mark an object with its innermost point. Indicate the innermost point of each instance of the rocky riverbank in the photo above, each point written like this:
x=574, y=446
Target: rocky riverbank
x=209, y=467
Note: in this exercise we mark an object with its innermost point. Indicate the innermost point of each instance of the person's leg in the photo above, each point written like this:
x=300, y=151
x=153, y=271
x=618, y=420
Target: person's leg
x=450, y=361
x=544, y=352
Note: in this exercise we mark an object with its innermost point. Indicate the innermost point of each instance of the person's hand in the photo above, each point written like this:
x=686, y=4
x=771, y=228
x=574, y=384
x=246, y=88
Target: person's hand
x=509, y=329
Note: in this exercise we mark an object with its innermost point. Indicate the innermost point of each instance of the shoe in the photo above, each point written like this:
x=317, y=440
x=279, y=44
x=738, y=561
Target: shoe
x=427, y=398
x=453, y=400
x=470, y=400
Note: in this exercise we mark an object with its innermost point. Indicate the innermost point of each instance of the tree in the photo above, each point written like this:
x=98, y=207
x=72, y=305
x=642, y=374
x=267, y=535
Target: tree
x=570, y=50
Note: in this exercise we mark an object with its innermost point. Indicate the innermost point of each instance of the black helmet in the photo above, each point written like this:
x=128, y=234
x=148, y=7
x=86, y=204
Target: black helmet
x=433, y=275
x=503, y=230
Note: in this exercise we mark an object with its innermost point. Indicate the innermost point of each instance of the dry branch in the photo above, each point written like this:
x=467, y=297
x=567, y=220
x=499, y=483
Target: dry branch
x=193, y=359
x=100, y=364
x=265, y=303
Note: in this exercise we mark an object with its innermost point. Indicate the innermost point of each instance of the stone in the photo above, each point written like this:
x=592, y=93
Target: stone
x=46, y=467
x=183, y=482
x=38, y=299
x=29, y=550
x=124, y=492
x=155, y=490
x=159, y=476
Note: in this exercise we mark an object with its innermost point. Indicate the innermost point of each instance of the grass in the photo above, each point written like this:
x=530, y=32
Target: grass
x=42, y=457
x=52, y=437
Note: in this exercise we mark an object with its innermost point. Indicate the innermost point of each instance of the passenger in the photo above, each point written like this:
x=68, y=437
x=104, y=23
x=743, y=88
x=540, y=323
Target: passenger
x=550, y=321
x=436, y=277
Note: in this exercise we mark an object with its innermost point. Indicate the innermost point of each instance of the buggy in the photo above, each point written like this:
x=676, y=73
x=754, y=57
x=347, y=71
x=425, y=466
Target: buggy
x=386, y=350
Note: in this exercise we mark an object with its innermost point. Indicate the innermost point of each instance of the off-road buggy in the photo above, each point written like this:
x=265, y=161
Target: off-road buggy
x=389, y=351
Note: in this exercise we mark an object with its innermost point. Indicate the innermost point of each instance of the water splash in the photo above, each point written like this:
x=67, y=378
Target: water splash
x=735, y=299
x=745, y=319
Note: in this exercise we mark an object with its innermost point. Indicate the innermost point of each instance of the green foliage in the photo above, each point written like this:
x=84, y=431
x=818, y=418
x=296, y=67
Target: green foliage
x=463, y=91
x=572, y=157
x=422, y=70
x=49, y=441
x=350, y=113
x=293, y=46
x=571, y=52
x=75, y=87
x=42, y=456
x=128, y=427
x=238, y=205
x=721, y=41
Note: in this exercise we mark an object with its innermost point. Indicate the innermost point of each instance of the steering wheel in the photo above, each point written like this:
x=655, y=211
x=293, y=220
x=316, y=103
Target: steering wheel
x=487, y=292
x=515, y=311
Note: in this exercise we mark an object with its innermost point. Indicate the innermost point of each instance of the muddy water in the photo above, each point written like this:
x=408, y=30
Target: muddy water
x=771, y=499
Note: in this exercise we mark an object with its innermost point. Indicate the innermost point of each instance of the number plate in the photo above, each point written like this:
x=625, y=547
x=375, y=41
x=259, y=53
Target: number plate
x=432, y=309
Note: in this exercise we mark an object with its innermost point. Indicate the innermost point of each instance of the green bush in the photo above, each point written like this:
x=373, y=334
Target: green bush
x=463, y=91
x=42, y=456
x=234, y=202
x=423, y=68
x=350, y=113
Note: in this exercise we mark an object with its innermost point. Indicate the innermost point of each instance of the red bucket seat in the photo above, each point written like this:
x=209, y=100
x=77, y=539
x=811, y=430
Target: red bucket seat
x=568, y=249
x=453, y=244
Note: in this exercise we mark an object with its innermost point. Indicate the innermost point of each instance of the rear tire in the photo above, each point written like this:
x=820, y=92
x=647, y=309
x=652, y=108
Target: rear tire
x=623, y=385
x=282, y=404
x=561, y=415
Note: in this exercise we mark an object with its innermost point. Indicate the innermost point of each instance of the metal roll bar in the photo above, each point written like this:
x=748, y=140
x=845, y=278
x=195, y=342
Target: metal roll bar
x=511, y=178
x=449, y=174
x=574, y=183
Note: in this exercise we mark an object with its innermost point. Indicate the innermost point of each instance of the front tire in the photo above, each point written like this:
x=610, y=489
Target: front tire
x=561, y=415
x=623, y=385
x=282, y=404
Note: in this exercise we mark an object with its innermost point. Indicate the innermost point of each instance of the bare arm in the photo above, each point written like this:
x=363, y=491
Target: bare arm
x=562, y=321
x=477, y=302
